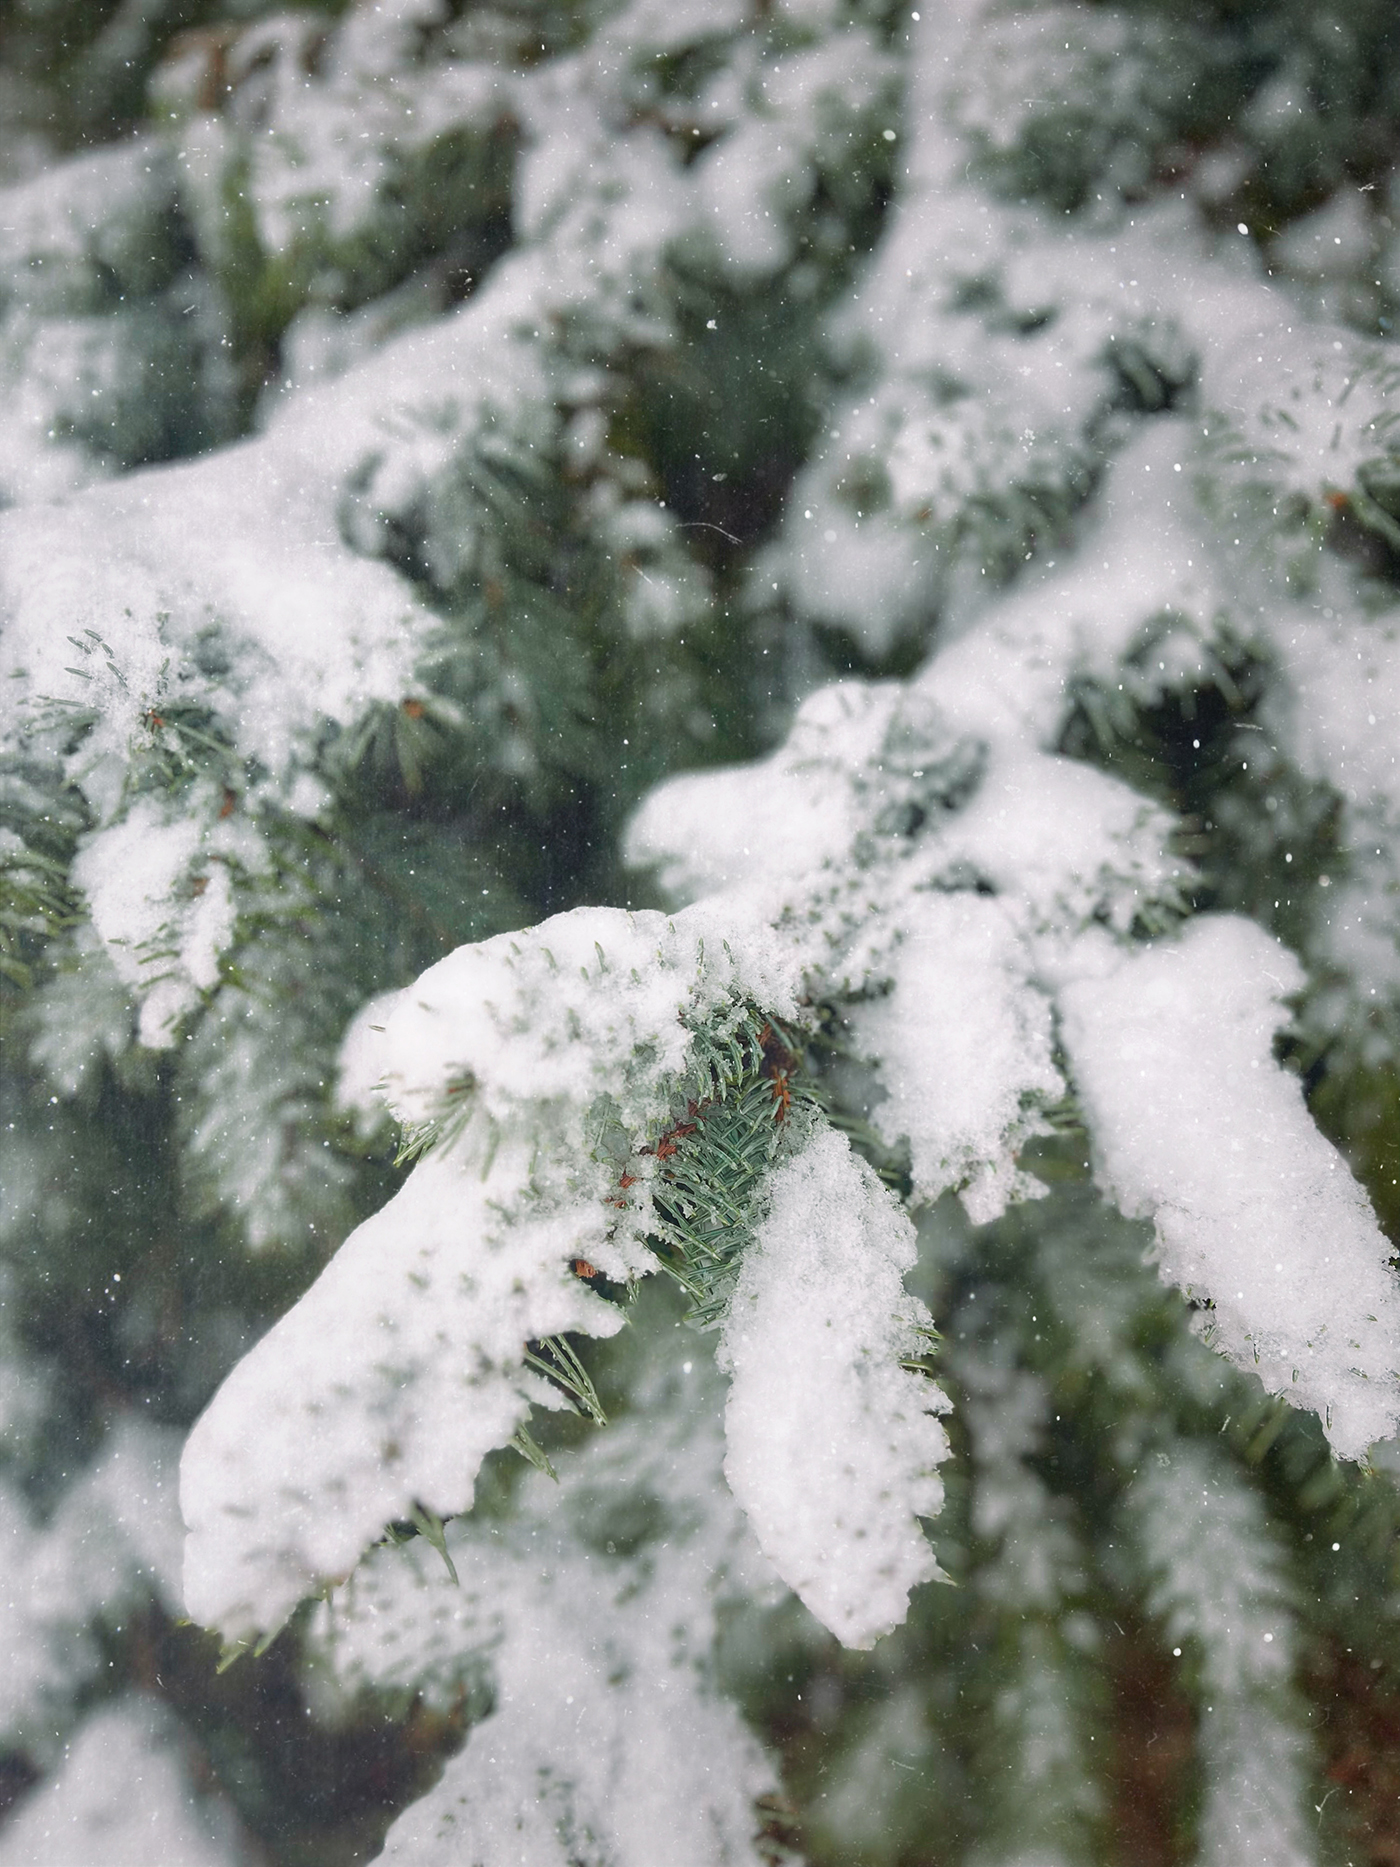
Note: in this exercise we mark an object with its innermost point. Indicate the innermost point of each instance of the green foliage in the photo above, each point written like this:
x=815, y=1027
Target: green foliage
x=605, y=559
x=746, y=1106
x=35, y=902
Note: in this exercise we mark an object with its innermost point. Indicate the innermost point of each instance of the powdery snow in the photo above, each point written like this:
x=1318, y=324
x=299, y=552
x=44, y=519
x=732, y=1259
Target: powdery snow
x=385, y=1386
x=608, y=1740
x=920, y=856
x=1195, y=1126
x=161, y=901
x=964, y=1044
x=124, y=1798
x=404, y=1364
x=832, y=1444
x=110, y=1549
x=1218, y=1582
x=564, y=1013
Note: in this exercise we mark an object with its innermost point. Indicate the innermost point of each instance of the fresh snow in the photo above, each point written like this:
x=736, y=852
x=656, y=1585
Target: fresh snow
x=403, y=1365
x=964, y=1043
x=1196, y=1126
x=123, y=1797
x=998, y=935
x=832, y=1443
x=593, y=1615
x=1218, y=1582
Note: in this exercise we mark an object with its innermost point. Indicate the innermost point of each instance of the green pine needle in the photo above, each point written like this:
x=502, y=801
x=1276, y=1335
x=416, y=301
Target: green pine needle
x=524, y=1443
x=554, y=1358
x=429, y=1524
x=748, y=1104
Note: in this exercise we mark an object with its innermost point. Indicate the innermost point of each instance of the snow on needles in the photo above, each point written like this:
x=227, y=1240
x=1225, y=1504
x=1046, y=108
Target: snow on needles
x=832, y=1443
x=386, y=1385
x=920, y=859
x=538, y=1062
x=602, y=1601
x=964, y=1040
x=952, y=917
x=124, y=1796
x=1257, y=1216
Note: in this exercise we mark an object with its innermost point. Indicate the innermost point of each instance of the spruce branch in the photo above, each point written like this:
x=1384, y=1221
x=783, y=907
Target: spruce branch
x=36, y=902
x=555, y=1358
x=754, y=1109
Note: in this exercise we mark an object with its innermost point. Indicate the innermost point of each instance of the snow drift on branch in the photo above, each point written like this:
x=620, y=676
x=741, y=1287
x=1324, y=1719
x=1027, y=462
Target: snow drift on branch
x=1257, y=1216
x=832, y=1443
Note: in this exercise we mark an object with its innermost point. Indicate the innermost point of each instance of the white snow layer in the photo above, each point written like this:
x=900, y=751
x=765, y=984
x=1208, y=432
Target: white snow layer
x=123, y=1798
x=403, y=1365
x=832, y=1444
x=111, y=1548
x=163, y=933
x=928, y=857
x=609, y=1744
x=1196, y=1126
x=864, y=847
x=250, y=583
x=1256, y=1214
x=384, y=1387
x=269, y=553
x=964, y=1044
x=1218, y=1579
x=588, y=1003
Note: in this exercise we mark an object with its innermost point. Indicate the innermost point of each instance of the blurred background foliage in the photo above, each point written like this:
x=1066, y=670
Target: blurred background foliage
x=163, y=290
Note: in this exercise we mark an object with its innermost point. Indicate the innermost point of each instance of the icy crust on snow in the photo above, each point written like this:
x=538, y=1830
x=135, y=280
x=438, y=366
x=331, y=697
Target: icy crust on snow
x=1258, y=1217
x=124, y=1798
x=964, y=1043
x=541, y=1061
x=832, y=1443
x=592, y=1611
